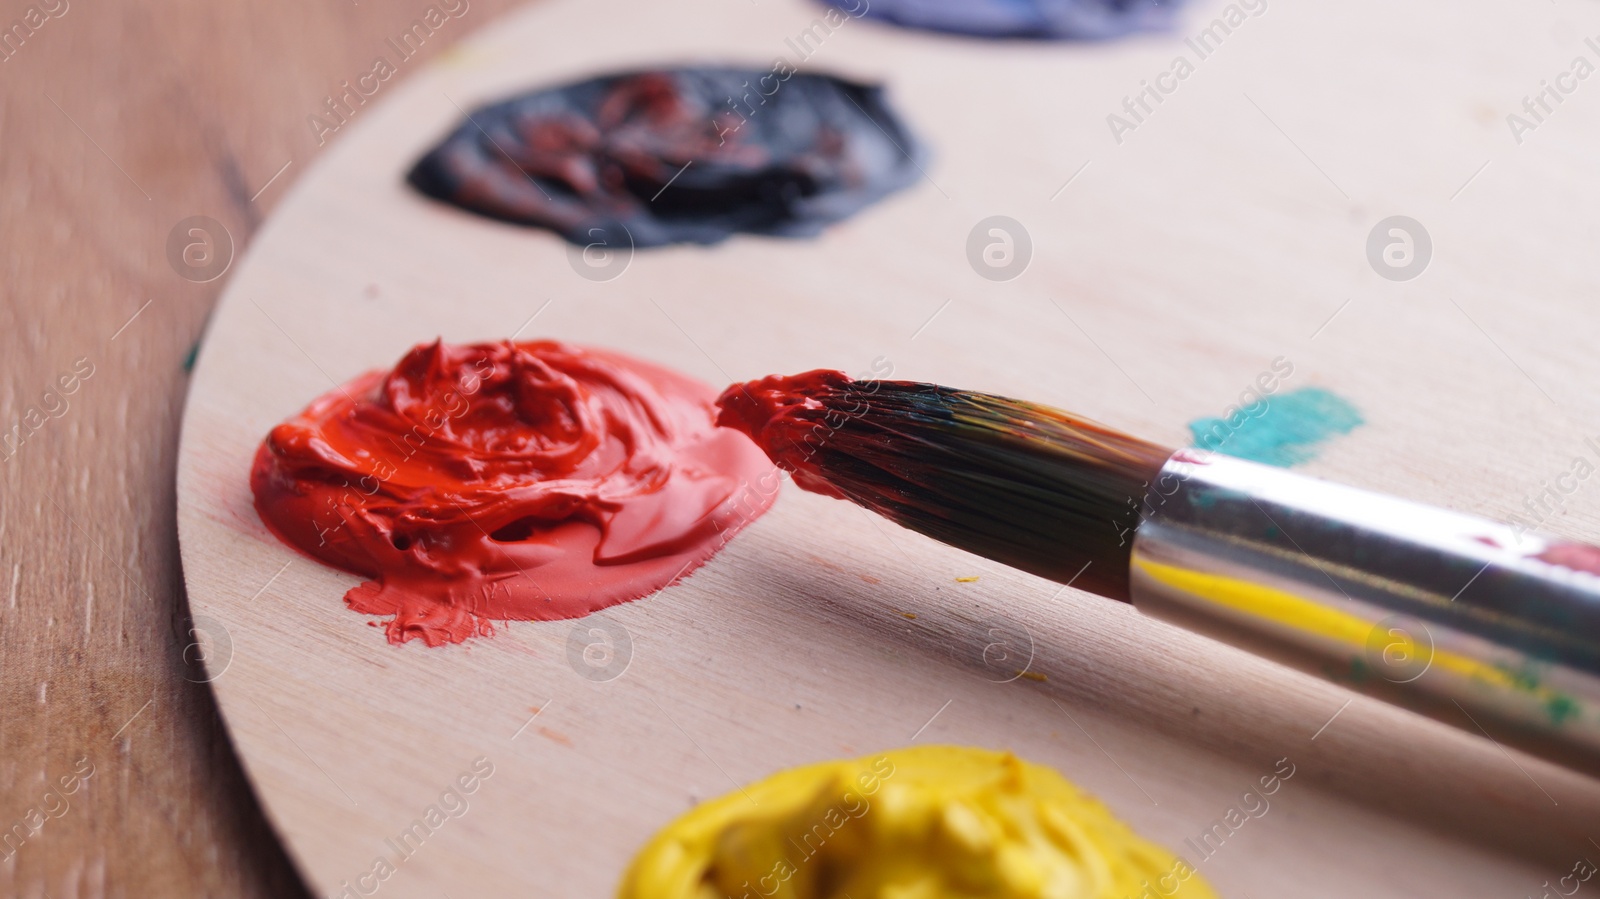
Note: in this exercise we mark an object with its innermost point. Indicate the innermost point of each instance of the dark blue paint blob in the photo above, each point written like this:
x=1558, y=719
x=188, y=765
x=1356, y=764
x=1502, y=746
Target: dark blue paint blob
x=686, y=155
x=1282, y=430
x=1081, y=20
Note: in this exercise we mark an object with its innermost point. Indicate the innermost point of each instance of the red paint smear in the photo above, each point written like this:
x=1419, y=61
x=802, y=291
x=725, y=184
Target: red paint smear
x=493, y=482
x=1574, y=556
x=781, y=414
x=1193, y=456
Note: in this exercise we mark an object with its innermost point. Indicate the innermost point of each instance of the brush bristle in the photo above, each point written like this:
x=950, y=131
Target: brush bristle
x=1023, y=484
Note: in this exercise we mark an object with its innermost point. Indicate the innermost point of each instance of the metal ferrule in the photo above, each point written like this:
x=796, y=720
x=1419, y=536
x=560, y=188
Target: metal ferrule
x=1479, y=624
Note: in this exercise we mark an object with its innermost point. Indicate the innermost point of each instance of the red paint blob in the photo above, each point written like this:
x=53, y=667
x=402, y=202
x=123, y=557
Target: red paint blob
x=783, y=415
x=502, y=481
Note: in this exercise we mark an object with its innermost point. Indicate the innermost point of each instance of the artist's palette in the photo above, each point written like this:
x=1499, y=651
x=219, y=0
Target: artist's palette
x=1164, y=274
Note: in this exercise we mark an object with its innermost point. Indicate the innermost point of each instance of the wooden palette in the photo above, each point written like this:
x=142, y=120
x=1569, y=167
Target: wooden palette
x=1227, y=229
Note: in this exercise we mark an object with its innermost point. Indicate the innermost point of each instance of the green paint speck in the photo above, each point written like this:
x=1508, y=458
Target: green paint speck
x=1561, y=709
x=1526, y=676
x=1360, y=672
x=1282, y=430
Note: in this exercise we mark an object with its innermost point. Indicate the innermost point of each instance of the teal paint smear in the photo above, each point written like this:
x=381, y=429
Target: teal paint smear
x=1290, y=430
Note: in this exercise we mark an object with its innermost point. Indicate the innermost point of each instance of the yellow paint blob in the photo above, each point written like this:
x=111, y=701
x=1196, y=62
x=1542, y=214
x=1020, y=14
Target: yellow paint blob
x=927, y=822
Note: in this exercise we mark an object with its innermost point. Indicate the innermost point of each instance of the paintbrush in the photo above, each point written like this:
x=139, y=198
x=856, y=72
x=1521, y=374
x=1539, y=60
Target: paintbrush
x=1473, y=622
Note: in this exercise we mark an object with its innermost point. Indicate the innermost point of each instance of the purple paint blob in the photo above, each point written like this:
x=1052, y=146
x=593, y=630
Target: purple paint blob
x=1076, y=20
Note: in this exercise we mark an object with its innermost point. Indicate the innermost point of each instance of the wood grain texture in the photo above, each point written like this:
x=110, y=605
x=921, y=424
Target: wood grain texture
x=1228, y=229
x=120, y=120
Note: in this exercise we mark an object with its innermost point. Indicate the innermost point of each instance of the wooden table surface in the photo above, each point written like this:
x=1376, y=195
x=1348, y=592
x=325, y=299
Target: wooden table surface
x=122, y=120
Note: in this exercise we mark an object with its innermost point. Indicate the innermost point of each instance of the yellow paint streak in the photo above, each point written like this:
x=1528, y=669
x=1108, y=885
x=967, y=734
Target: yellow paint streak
x=1313, y=617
